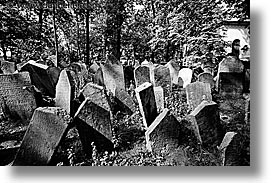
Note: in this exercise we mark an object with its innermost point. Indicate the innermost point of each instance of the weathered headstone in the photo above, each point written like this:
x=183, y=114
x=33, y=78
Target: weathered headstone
x=205, y=120
x=163, y=133
x=96, y=94
x=142, y=75
x=196, y=93
x=124, y=101
x=98, y=77
x=147, y=104
x=53, y=73
x=39, y=77
x=94, y=67
x=174, y=71
x=96, y=121
x=81, y=73
x=17, y=95
x=113, y=74
x=206, y=77
x=159, y=97
x=225, y=143
x=7, y=67
x=45, y=131
x=65, y=92
x=186, y=75
x=162, y=78
x=230, y=77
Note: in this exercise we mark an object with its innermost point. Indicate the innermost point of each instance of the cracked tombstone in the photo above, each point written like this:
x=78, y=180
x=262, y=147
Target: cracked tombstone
x=224, y=144
x=206, y=77
x=174, y=71
x=17, y=95
x=159, y=97
x=113, y=74
x=7, y=67
x=164, y=133
x=65, y=92
x=185, y=74
x=95, y=126
x=196, y=93
x=230, y=77
x=142, y=75
x=162, y=78
x=46, y=129
x=205, y=121
x=147, y=104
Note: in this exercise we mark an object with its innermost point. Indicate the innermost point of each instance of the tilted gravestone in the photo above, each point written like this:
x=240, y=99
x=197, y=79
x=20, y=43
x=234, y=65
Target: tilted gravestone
x=81, y=72
x=17, y=95
x=164, y=133
x=40, y=77
x=159, y=97
x=162, y=78
x=205, y=120
x=97, y=95
x=206, y=77
x=186, y=75
x=196, y=93
x=7, y=67
x=225, y=143
x=65, y=92
x=174, y=71
x=94, y=125
x=230, y=77
x=113, y=74
x=142, y=75
x=147, y=104
x=124, y=101
x=45, y=131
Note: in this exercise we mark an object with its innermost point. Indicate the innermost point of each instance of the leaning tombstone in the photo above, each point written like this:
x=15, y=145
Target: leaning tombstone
x=164, y=134
x=17, y=95
x=230, y=77
x=196, y=93
x=7, y=67
x=225, y=143
x=186, y=75
x=147, y=104
x=159, y=97
x=205, y=120
x=65, y=92
x=174, y=71
x=113, y=74
x=46, y=129
x=162, y=78
x=206, y=77
x=142, y=75
x=94, y=125
x=124, y=101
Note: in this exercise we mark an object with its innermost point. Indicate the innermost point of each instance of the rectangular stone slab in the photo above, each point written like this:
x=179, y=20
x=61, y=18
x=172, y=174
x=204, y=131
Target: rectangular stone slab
x=147, y=104
x=45, y=131
x=17, y=95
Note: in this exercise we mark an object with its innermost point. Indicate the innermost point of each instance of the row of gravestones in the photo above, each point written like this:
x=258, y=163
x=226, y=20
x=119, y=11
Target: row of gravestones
x=47, y=127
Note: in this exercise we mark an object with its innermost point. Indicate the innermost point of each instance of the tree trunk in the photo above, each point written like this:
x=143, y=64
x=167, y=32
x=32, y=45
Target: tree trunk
x=55, y=37
x=4, y=49
x=78, y=37
x=154, y=16
x=87, y=37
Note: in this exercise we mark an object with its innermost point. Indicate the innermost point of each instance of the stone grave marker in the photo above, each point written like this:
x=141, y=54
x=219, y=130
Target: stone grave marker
x=39, y=77
x=65, y=92
x=97, y=122
x=196, y=93
x=98, y=77
x=45, y=131
x=113, y=74
x=186, y=75
x=159, y=97
x=7, y=67
x=162, y=78
x=53, y=73
x=96, y=94
x=147, y=104
x=230, y=77
x=174, y=71
x=17, y=95
x=142, y=75
x=94, y=67
x=124, y=101
x=225, y=143
x=128, y=75
x=163, y=133
x=206, y=77
x=205, y=120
